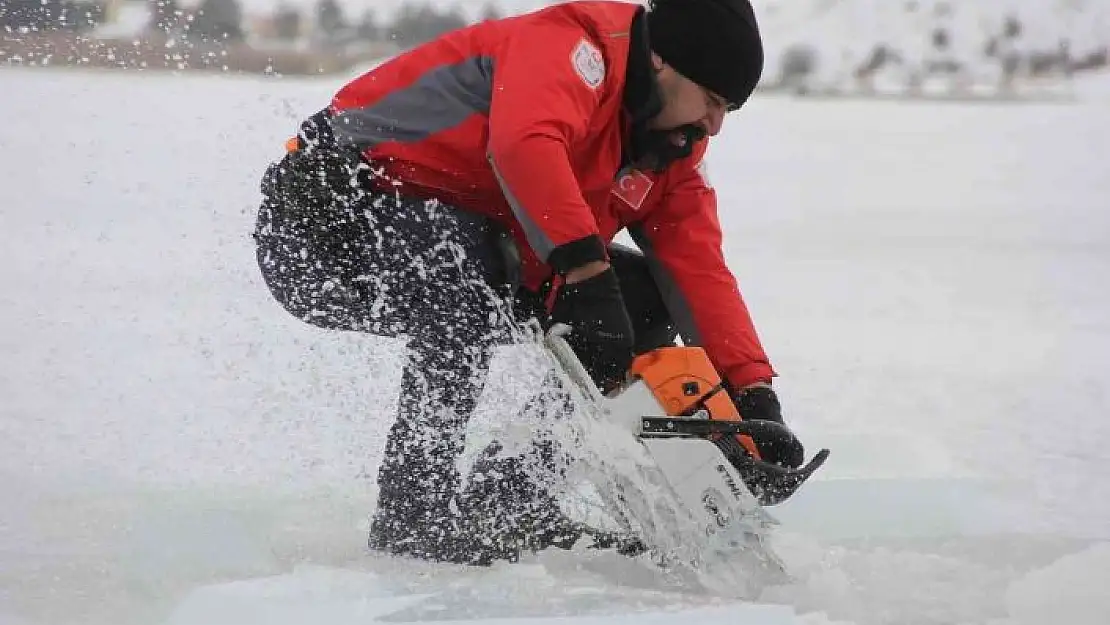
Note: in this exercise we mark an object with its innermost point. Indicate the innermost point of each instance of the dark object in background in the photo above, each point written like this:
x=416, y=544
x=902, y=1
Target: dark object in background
x=49, y=15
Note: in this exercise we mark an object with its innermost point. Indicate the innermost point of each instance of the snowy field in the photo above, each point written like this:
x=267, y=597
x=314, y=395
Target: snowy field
x=929, y=279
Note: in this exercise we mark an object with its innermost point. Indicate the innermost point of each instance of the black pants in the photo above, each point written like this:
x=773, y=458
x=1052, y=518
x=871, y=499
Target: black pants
x=340, y=257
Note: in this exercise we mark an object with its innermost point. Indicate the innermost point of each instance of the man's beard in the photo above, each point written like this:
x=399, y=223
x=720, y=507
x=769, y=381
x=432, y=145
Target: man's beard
x=654, y=149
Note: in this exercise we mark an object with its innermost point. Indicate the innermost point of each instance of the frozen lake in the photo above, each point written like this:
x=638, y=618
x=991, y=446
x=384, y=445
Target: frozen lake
x=930, y=281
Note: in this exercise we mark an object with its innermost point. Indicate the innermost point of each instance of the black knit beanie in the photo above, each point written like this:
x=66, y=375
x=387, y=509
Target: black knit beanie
x=715, y=43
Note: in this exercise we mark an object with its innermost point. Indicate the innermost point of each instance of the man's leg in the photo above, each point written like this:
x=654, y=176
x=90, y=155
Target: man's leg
x=417, y=512
x=508, y=494
x=456, y=318
x=409, y=268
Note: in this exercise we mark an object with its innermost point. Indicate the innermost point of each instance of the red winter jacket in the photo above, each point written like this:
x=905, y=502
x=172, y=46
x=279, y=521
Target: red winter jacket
x=521, y=119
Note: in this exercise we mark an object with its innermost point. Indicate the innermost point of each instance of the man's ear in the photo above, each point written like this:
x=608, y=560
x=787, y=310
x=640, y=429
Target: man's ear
x=657, y=62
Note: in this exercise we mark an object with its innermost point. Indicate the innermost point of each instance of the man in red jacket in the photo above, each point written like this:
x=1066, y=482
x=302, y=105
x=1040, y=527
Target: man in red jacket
x=477, y=181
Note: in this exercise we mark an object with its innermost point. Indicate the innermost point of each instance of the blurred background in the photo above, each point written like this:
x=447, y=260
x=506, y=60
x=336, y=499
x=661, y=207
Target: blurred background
x=816, y=48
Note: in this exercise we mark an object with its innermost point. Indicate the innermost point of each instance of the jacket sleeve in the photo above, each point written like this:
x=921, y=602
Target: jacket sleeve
x=548, y=82
x=682, y=240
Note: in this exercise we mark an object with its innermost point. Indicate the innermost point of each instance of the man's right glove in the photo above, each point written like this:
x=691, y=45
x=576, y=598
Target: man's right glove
x=761, y=403
x=602, y=335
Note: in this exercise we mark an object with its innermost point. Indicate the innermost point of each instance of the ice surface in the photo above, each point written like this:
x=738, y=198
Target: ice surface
x=1070, y=590
x=928, y=279
x=311, y=595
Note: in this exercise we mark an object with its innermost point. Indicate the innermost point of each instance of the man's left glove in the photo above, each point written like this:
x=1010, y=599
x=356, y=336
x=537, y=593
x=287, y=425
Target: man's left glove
x=761, y=403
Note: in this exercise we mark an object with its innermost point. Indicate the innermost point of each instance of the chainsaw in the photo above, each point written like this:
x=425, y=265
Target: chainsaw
x=674, y=464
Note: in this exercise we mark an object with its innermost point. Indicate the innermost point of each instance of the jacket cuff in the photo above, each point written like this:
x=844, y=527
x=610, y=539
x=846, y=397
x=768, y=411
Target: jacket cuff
x=750, y=373
x=588, y=249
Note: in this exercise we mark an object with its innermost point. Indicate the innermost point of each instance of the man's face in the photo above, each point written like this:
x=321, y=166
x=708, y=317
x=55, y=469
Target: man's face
x=685, y=103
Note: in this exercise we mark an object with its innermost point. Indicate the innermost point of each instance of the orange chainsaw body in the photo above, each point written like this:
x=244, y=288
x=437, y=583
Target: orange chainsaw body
x=683, y=380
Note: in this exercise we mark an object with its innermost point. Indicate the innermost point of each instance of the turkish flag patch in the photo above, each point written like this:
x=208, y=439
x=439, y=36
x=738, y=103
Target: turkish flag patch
x=632, y=186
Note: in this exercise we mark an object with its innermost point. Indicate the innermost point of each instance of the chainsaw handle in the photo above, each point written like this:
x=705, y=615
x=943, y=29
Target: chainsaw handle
x=770, y=483
x=566, y=357
x=758, y=430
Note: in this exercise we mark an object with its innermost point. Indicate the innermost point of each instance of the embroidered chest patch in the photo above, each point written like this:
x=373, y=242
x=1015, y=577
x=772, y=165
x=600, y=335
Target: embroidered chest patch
x=632, y=186
x=588, y=63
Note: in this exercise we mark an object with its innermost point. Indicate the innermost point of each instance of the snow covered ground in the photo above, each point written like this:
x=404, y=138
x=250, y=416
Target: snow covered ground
x=930, y=280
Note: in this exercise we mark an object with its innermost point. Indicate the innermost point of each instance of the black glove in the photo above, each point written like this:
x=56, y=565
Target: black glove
x=601, y=334
x=760, y=403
